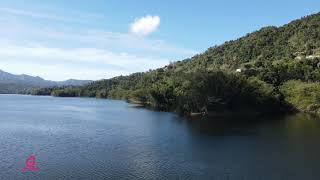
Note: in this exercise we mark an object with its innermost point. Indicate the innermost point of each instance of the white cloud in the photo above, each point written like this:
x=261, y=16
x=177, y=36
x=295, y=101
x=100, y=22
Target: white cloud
x=88, y=55
x=73, y=16
x=72, y=60
x=18, y=32
x=145, y=25
x=59, y=51
x=60, y=72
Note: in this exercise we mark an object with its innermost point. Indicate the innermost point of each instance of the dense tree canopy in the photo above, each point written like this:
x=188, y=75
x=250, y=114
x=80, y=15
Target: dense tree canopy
x=272, y=61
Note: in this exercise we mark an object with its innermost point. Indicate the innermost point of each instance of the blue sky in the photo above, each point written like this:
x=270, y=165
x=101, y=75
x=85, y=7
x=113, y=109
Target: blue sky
x=97, y=39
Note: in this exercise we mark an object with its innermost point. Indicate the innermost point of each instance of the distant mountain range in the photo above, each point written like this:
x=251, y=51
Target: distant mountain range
x=11, y=83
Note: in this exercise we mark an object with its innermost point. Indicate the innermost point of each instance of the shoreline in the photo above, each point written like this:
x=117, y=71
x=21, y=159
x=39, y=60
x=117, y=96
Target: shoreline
x=210, y=114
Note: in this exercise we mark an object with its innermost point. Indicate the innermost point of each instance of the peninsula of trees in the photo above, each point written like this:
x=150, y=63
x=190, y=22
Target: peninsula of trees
x=273, y=69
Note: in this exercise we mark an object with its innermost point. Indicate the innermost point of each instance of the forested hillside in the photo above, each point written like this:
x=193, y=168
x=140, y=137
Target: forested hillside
x=272, y=69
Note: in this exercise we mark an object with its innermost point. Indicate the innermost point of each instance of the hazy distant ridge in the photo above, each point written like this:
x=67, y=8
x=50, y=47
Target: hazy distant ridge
x=11, y=83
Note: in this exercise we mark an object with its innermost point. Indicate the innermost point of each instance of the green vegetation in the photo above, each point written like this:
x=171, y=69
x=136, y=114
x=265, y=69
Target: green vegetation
x=279, y=66
x=304, y=96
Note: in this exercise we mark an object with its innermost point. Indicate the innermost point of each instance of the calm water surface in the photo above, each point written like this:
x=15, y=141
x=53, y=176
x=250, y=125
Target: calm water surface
x=80, y=138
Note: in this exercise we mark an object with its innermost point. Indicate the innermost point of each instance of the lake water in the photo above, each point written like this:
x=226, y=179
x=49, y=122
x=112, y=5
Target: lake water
x=82, y=138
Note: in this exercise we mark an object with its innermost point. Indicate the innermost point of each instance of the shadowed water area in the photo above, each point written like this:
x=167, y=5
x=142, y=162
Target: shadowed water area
x=82, y=138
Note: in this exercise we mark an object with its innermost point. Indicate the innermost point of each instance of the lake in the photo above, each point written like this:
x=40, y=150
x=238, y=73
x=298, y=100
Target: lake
x=83, y=138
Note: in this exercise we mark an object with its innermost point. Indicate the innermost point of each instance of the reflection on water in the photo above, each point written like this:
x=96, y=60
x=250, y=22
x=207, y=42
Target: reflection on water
x=81, y=138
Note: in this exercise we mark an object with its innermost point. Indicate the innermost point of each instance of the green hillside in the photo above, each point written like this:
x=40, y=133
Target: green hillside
x=255, y=73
